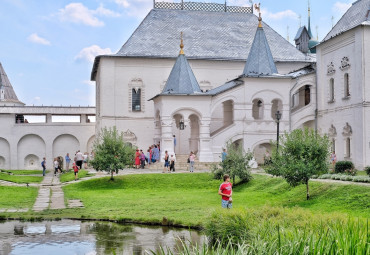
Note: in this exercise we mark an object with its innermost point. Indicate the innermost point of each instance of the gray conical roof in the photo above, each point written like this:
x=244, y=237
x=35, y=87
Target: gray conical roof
x=260, y=61
x=9, y=94
x=181, y=79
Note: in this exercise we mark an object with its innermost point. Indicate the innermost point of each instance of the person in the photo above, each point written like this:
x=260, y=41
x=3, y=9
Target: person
x=60, y=164
x=79, y=159
x=172, y=163
x=56, y=166
x=166, y=162
x=137, y=158
x=333, y=159
x=267, y=158
x=225, y=191
x=147, y=157
x=174, y=143
x=75, y=170
x=155, y=154
x=142, y=159
x=68, y=160
x=43, y=164
x=192, y=161
x=85, y=159
x=223, y=155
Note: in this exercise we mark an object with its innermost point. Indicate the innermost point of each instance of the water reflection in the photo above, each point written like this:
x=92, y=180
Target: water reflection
x=76, y=237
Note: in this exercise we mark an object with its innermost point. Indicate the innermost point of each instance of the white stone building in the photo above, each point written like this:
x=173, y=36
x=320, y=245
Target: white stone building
x=233, y=77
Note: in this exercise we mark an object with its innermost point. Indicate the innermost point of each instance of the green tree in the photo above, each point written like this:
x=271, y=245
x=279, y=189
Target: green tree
x=235, y=164
x=302, y=154
x=111, y=152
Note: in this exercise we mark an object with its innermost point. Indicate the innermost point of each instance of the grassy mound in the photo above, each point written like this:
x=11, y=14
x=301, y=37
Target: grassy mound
x=189, y=199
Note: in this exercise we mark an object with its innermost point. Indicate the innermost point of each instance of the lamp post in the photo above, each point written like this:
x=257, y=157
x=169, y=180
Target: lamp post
x=278, y=117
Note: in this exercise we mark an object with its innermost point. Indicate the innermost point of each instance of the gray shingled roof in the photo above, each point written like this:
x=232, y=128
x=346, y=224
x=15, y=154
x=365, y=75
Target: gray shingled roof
x=225, y=87
x=260, y=61
x=208, y=35
x=300, y=31
x=181, y=79
x=355, y=16
x=9, y=95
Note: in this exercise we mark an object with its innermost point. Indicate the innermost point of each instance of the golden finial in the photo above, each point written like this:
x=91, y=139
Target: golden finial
x=258, y=9
x=182, y=46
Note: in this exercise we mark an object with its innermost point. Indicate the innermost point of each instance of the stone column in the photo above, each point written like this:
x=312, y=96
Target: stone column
x=167, y=139
x=267, y=112
x=48, y=118
x=205, y=153
x=83, y=118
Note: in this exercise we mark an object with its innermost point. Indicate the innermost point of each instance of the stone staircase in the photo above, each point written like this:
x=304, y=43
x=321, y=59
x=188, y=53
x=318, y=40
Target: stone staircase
x=181, y=164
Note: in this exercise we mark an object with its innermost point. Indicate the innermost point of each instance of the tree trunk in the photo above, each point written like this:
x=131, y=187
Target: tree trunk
x=111, y=176
x=308, y=193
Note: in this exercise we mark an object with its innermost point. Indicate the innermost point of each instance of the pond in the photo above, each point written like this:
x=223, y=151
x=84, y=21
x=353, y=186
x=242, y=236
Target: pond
x=90, y=237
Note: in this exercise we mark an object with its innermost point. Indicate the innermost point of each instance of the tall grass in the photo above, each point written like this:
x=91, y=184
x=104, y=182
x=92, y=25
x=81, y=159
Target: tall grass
x=280, y=231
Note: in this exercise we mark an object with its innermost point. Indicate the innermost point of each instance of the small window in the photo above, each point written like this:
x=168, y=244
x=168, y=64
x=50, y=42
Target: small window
x=307, y=95
x=331, y=90
x=348, y=147
x=346, y=85
x=136, y=100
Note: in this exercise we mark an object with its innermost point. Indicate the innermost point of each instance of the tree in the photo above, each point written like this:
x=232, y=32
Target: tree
x=302, y=154
x=235, y=164
x=111, y=152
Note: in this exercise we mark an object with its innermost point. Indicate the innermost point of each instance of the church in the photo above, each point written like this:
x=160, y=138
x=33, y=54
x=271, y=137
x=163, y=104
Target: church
x=210, y=73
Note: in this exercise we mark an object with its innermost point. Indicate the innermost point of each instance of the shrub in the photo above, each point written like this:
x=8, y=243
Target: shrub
x=342, y=166
x=367, y=170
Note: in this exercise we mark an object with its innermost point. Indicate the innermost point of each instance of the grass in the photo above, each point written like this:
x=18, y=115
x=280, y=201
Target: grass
x=21, y=179
x=189, y=199
x=24, y=172
x=70, y=176
x=17, y=197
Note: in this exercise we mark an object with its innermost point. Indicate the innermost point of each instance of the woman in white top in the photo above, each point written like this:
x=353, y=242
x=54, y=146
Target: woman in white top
x=56, y=166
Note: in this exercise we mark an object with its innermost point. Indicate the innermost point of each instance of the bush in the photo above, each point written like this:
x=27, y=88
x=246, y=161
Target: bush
x=343, y=166
x=367, y=170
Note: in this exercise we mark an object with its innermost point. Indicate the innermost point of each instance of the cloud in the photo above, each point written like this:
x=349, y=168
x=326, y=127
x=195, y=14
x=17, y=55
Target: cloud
x=341, y=7
x=89, y=53
x=279, y=15
x=37, y=39
x=37, y=98
x=80, y=14
x=106, y=12
x=136, y=8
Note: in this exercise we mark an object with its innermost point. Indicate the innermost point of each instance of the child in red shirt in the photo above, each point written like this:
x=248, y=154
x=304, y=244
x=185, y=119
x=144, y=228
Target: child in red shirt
x=226, y=192
x=75, y=168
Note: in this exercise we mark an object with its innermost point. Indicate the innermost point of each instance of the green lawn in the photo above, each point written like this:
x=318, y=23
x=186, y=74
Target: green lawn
x=21, y=179
x=189, y=199
x=70, y=176
x=24, y=172
x=17, y=197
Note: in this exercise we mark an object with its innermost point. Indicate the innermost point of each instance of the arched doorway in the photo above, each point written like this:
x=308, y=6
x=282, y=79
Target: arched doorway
x=260, y=151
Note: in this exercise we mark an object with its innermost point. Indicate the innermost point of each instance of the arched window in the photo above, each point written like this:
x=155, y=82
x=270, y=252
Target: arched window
x=277, y=105
x=136, y=95
x=136, y=100
x=257, y=109
x=331, y=90
x=348, y=147
x=307, y=95
x=346, y=85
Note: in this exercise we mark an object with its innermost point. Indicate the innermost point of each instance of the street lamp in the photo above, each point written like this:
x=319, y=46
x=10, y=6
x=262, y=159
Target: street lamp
x=182, y=125
x=278, y=117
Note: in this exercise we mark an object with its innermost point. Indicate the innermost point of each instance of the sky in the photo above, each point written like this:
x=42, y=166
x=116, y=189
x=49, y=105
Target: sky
x=47, y=48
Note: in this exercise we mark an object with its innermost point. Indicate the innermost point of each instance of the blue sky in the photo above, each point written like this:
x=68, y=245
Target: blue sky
x=47, y=47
